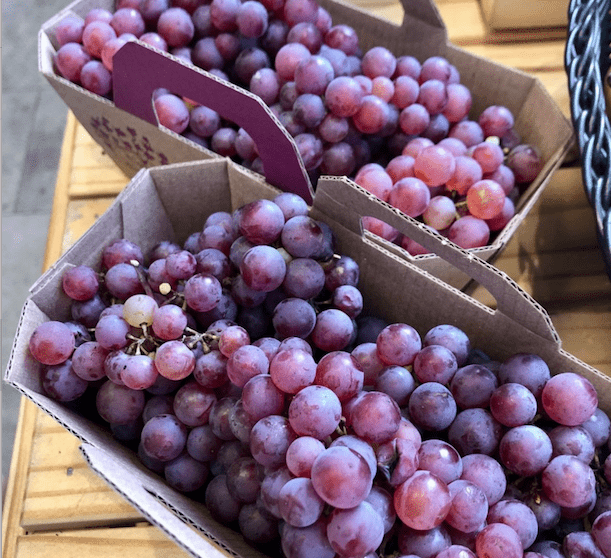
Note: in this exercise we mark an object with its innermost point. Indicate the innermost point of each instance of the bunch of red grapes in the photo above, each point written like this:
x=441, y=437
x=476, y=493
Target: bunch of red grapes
x=242, y=366
x=398, y=126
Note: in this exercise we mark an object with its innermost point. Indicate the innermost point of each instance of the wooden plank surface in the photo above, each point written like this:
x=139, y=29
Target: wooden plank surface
x=52, y=494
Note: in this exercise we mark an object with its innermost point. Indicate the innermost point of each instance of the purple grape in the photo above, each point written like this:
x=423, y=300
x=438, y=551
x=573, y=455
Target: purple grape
x=341, y=477
x=52, y=343
x=186, y=474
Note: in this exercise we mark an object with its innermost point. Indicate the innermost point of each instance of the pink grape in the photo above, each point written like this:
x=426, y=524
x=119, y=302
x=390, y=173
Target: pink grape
x=414, y=119
x=269, y=440
x=415, y=146
x=155, y=40
x=400, y=167
x=440, y=213
x=411, y=195
x=245, y=363
x=70, y=59
x=398, y=344
x=379, y=61
x=69, y=30
x=164, y=437
x=172, y=112
x=469, y=232
x=375, y=180
x=434, y=165
x=88, y=361
x=333, y=330
x=435, y=67
x=441, y=459
x=496, y=120
x=127, y=20
x=459, y=102
x=569, y=399
x=426, y=544
x=313, y=75
x=299, y=504
x=601, y=532
x=60, y=382
x=252, y=19
x=288, y=58
x=292, y=370
x=513, y=405
x=80, y=282
x=357, y=531
x=343, y=37
x=406, y=90
x=315, y=411
x=423, y=501
x=95, y=35
x=435, y=363
x=261, y=221
x=502, y=219
x=526, y=450
x=307, y=34
x=487, y=473
x=568, y=481
x=452, y=338
x=341, y=477
x=525, y=162
x=433, y=96
x=98, y=14
x=498, y=540
x=488, y=155
x=174, y=360
x=302, y=453
x=518, y=516
x=469, y=507
x=383, y=87
x=467, y=131
x=372, y=116
x=340, y=372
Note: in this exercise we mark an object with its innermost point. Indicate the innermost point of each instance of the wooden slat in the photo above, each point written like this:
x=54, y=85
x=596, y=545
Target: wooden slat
x=135, y=542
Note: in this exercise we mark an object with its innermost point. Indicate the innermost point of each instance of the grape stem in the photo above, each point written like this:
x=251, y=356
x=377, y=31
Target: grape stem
x=142, y=277
x=193, y=337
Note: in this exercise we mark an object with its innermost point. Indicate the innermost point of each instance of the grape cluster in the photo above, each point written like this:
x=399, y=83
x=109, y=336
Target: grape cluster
x=398, y=126
x=243, y=368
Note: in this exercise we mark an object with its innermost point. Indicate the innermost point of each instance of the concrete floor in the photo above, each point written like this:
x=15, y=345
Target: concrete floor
x=33, y=120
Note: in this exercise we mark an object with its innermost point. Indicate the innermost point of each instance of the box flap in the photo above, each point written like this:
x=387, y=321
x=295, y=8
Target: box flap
x=181, y=518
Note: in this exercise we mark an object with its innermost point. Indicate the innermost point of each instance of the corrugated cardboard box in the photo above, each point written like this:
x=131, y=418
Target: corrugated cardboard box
x=127, y=128
x=170, y=203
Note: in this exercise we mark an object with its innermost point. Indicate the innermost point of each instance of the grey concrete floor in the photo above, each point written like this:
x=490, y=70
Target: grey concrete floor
x=33, y=120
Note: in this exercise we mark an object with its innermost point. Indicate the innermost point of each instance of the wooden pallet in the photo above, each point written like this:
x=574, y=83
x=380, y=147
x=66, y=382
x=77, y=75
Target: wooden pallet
x=56, y=507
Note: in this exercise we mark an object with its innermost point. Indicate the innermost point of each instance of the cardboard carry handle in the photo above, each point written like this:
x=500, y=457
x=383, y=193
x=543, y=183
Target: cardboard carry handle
x=356, y=203
x=138, y=70
x=423, y=11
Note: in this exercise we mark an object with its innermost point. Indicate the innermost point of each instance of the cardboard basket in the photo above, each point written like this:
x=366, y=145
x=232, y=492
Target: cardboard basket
x=128, y=130
x=173, y=201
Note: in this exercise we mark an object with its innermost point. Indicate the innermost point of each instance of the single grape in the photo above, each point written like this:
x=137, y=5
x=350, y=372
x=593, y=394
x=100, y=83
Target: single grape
x=341, y=477
x=498, y=540
x=61, y=383
x=357, y=531
x=569, y=399
x=423, y=501
x=568, y=481
x=525, y=450
x=52, y=343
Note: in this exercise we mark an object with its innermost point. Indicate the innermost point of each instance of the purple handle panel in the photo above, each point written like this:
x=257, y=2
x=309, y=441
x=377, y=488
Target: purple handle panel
x=138, y=70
